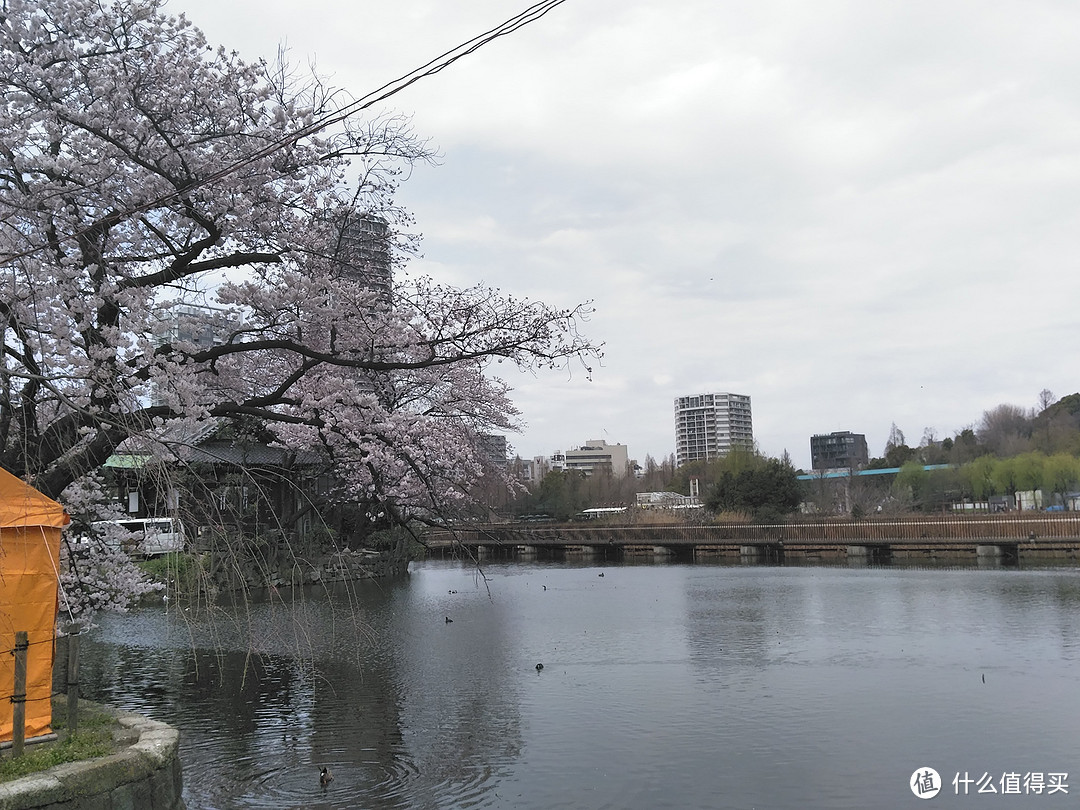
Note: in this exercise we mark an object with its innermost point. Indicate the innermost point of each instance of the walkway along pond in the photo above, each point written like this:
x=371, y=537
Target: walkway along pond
x=1036, y=537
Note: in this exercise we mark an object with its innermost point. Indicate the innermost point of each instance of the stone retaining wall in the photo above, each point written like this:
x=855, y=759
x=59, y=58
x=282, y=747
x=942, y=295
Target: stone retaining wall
x=281, y=568
x=144, y=775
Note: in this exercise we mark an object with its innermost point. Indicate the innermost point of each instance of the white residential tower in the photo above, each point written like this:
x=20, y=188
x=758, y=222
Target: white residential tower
x=711, y=425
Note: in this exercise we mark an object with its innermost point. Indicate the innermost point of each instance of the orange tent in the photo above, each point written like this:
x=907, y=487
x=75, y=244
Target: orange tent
x=29, y=580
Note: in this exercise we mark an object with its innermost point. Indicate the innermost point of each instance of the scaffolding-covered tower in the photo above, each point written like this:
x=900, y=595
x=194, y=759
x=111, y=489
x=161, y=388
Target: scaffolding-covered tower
x=364, y=254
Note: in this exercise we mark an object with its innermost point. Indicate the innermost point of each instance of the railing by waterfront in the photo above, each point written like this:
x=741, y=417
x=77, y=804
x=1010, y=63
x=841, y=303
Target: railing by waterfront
x=1012, y=527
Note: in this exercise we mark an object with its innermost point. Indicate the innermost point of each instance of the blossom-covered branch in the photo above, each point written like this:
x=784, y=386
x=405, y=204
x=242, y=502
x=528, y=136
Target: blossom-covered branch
x=115, y=209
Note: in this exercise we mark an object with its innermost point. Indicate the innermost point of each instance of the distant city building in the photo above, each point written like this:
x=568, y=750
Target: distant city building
x=180, y=322
x=527, y=470
x=839, y=450
x=363, y=256
x=664, y=500
x=493, y=448
x=539, y=467
x=364, y=253
x=594, y=456
x=710, y=426
x=194, y=323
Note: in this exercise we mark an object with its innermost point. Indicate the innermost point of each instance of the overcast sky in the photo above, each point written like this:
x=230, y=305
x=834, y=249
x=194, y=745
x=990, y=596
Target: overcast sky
x=857, y=213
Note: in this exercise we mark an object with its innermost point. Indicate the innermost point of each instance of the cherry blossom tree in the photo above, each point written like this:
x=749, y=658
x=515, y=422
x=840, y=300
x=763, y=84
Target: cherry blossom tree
x=95, y=573
x=140, y=168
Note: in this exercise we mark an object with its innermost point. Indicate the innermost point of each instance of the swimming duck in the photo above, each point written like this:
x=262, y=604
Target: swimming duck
x=449, y=620
x=539, y=667
x=325, y=777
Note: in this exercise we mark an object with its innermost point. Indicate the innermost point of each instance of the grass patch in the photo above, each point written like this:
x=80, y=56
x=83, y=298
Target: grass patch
x=175, y=569
x=95, y=738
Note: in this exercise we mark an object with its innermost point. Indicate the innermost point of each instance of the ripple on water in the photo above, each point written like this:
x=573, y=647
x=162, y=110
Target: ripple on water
x=663, y=686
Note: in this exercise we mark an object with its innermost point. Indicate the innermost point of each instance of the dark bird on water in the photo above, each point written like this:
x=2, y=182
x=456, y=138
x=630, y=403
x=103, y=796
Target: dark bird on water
x=325, y=777
x=600, y=574
x=449, y=620
x=539, y=667
x=984, y=678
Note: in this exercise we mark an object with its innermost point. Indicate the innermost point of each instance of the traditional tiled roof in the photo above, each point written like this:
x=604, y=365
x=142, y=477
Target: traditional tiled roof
x=194, y=443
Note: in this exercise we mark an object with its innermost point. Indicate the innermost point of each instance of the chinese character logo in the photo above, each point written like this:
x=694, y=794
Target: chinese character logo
x=925, y=783
x=1010, y=782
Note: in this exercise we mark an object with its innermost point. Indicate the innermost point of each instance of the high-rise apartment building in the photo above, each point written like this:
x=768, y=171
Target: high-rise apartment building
x=493, y=447
x=711, y=426
x=364, y=254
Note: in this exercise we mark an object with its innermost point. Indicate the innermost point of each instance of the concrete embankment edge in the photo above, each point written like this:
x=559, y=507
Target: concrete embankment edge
x=144, y=775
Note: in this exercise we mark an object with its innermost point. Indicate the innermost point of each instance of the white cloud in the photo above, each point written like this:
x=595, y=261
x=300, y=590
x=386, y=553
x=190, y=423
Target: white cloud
x=857, y=213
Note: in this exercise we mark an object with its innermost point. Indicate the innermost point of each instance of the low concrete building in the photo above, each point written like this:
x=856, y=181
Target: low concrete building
x=664, y=500
x=597, y=455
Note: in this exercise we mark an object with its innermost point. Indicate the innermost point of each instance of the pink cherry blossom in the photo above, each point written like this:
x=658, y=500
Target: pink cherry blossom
x=140, y=168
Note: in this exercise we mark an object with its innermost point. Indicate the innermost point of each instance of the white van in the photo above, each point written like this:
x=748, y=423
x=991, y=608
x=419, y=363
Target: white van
x=152, y=536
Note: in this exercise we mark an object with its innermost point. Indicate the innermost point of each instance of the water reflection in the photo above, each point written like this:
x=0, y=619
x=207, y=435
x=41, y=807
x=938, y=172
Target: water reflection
x=370, y=681
x=663, y=686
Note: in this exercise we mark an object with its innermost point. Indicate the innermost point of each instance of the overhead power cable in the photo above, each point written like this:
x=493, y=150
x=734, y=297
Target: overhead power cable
x=391, y=88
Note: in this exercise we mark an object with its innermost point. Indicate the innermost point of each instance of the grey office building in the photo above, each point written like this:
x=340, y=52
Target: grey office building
x=838, y=450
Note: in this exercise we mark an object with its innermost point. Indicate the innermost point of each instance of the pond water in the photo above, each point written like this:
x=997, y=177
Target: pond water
x=666, y=686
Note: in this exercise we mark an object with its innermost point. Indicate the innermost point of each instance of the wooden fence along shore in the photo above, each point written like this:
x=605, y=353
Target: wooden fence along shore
x=1030, y=536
